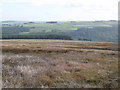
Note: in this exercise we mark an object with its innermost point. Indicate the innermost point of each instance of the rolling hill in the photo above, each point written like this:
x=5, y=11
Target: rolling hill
x=94, y=30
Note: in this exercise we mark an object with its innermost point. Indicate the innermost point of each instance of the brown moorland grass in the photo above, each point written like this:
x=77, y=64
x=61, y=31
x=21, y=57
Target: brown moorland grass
x=59, y=64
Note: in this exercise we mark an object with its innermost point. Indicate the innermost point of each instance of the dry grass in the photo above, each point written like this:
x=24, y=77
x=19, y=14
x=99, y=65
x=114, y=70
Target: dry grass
x=59, y=64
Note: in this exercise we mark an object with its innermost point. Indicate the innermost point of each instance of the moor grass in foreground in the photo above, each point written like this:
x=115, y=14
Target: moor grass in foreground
x=49, y=64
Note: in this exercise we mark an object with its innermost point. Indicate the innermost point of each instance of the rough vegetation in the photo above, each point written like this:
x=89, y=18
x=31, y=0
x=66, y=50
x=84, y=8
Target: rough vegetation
x=59, y=64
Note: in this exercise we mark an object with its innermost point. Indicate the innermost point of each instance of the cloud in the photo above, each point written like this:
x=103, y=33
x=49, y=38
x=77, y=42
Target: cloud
x=62, y=2
x=72, y=3
x=110, y=4
x=63, y=9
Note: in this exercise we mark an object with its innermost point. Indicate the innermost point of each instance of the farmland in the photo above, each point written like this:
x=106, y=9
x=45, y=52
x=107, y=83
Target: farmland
x=106, y=31
x=39, y=63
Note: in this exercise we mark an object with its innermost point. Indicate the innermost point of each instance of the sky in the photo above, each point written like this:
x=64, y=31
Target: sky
x=58, y=10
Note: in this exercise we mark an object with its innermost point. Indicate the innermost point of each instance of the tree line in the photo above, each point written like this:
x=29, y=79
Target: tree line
x=54, y=36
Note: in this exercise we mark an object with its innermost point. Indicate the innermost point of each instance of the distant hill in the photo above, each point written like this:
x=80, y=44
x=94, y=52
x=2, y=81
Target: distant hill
x=94, y=30
x=8, y=21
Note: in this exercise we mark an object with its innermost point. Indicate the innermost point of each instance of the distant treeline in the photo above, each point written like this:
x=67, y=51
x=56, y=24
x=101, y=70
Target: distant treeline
x=84, y=39
x=62, y=37
x=52, y=22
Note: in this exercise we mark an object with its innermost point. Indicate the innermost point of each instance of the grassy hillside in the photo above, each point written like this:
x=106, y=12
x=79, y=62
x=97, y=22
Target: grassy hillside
x=59, y=64
x=95, y=30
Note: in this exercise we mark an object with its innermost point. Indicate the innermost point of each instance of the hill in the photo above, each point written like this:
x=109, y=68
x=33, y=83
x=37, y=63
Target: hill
x=94, y=30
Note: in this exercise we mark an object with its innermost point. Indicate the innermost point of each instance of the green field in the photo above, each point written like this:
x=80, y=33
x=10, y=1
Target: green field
x=64, y=26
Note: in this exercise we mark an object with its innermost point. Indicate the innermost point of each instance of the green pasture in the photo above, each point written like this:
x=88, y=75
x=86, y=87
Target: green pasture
x=64, y=26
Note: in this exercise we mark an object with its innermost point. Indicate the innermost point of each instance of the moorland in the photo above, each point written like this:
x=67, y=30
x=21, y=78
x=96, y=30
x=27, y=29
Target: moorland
x=46, y=63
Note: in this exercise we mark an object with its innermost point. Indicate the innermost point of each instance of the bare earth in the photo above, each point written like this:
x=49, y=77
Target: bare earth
x=59, y=64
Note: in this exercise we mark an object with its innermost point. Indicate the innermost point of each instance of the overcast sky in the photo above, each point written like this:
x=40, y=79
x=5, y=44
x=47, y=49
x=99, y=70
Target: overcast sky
x=60, y=10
